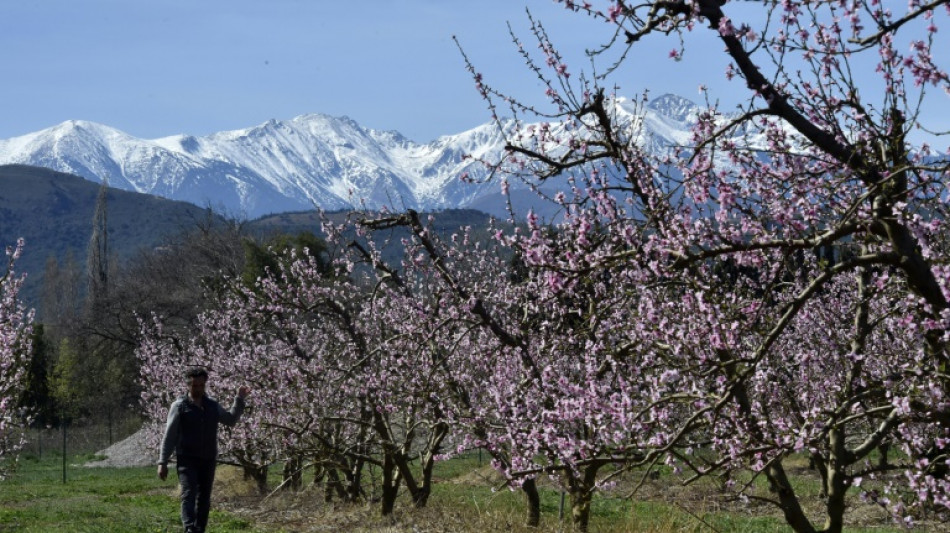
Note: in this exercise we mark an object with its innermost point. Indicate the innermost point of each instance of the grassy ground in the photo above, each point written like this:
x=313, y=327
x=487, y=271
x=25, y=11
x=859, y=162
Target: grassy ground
x=96, y=500
x=466, y=499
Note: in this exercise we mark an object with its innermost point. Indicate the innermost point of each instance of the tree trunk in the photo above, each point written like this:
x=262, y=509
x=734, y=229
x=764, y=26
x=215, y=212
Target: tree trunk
x=788, y=500
x=390, y=487
x=532, y=501
x=258, y=474
x=334, y=486
x=395, y=464
x=439, y=431
x=319, y=474
x=582, y=491
x=836, y=484
x=354, y=481
x=421, y=497
x=293, y=477
x=580, y=510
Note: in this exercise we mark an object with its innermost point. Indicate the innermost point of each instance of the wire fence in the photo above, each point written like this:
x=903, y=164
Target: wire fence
x=79, y=438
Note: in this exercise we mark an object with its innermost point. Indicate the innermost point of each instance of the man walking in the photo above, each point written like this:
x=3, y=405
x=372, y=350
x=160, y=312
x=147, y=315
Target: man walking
x=192, y=433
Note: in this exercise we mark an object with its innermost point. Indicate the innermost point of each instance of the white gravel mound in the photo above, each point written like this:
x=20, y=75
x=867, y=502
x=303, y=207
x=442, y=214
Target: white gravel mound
x=133, y=451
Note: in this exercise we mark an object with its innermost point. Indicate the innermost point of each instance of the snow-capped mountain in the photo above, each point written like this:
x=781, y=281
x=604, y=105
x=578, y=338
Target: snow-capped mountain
x=309, y=161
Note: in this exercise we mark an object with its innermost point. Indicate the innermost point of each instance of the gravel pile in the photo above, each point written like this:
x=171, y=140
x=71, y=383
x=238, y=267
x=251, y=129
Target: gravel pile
x=133, y=451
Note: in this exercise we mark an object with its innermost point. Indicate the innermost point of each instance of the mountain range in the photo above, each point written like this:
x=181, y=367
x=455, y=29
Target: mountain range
x=311, y=161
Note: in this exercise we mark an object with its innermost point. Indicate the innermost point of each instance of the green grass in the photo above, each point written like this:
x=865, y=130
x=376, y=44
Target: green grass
x=468, y=497
x=610, y=512
x=681, y=509
x=96, y=500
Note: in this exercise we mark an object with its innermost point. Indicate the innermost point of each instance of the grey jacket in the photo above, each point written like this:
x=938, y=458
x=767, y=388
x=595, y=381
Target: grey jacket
x=192, y=431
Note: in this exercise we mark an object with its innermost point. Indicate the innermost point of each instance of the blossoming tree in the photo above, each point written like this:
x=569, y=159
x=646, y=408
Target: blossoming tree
x=341, y=378
x=15, y=329
x=792, y=255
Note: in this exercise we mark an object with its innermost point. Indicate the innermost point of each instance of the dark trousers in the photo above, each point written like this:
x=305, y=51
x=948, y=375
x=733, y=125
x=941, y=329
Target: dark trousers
x=196, y=477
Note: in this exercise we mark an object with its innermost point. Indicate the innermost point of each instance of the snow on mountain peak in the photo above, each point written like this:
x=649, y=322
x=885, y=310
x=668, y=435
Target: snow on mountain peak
x=675, y=107
x=312, y=160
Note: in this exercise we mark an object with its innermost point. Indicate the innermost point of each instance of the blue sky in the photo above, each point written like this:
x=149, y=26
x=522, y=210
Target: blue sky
x=162, y=67
x=157, y=68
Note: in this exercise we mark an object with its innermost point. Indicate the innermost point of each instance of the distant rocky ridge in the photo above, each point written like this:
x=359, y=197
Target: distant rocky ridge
x=299, y=164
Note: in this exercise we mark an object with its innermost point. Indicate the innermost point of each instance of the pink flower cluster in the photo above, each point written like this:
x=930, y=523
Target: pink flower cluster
x=15, y=330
